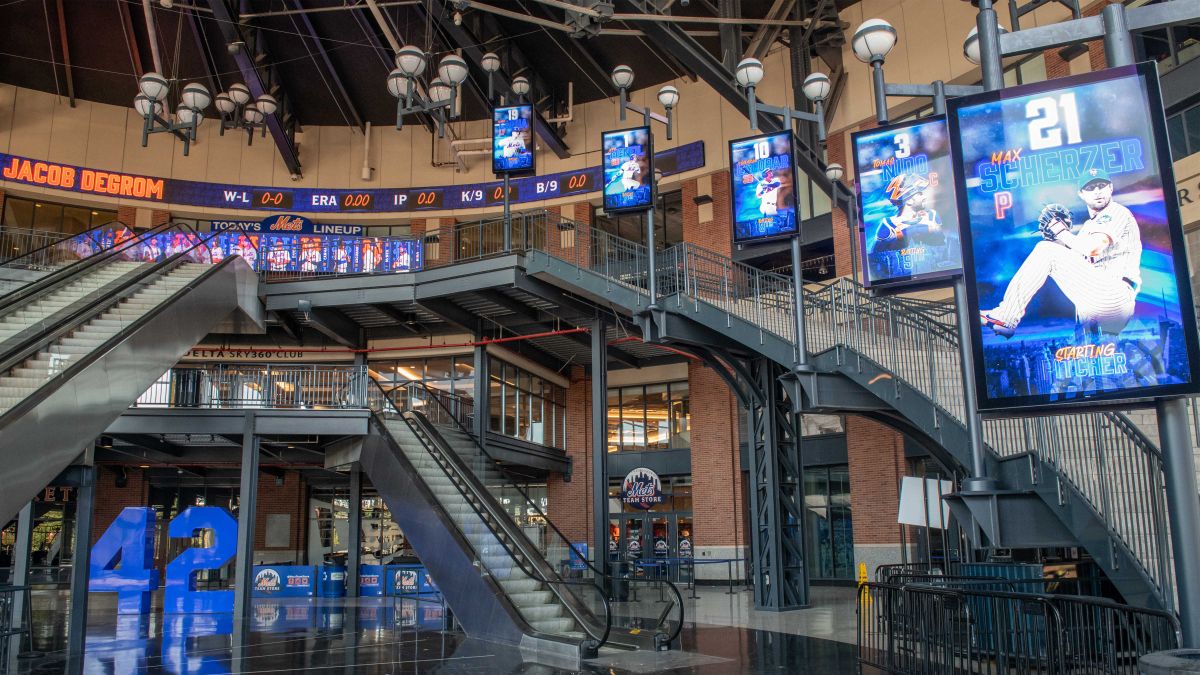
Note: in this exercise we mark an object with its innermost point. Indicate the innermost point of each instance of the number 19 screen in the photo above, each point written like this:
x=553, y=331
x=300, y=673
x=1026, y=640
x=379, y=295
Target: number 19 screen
x=1072, y=242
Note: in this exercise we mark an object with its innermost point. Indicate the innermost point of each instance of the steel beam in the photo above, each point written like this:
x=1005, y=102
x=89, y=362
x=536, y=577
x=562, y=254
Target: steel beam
x=202, y=46
x=354, y=531
x=307, y=25
x=18, y=610
x=247, y=510
x=81, y=560
x=473, y=49
x=599, y=447
x=135, y=52
x=334, y=325
x=232, y=32
x=672, y=40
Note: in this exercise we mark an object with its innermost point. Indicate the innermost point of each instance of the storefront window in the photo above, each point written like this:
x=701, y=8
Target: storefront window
x=664, y=531
x=829, y=523
x=649, y=417
x=534, y=410
x=668, y=222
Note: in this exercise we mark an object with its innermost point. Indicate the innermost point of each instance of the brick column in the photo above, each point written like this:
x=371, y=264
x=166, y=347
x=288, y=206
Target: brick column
x=142, y=218
x=288, y=498
x=876, y=457
x=718, y=500
x=440, y=253
x=709, y=226
x=570, y=504
x=111, y=500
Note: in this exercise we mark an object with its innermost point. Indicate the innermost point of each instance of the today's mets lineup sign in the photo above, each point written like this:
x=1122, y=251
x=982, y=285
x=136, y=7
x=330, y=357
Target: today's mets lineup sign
x=317, y=200
x=1073, y=248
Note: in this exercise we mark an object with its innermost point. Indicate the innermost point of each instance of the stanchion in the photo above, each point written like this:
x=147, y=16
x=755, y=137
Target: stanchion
x=729, y=573
x=692, y=583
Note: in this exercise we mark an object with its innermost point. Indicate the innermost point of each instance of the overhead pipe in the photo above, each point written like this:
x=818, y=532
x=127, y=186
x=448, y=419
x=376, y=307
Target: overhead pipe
x=153, y=32
x=366, y=167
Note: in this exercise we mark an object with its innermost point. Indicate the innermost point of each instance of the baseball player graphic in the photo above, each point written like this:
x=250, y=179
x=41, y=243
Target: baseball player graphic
x=913, y=222
x=341, y=258
x=1098, y=266
x=512, y=145
x=310, y=254
x=767, y=192
x=630, y=171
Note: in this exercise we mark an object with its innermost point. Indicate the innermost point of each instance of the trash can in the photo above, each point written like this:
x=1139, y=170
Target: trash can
x=1173, y=662
x=620, y=582
x=331, y=582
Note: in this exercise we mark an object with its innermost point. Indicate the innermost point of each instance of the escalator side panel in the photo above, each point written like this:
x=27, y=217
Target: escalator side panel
x=476, y=603
x=36, y=446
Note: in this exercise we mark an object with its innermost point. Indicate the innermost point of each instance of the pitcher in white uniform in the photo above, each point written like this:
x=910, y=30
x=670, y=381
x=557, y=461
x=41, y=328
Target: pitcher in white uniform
x=1097, y=267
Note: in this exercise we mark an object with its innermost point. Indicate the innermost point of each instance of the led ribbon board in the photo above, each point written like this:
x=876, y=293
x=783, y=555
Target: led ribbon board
x=906, y=204
x=628, y=170
x=763, y=187
x=512, y=139
x=26, y=171
x=1072, y=243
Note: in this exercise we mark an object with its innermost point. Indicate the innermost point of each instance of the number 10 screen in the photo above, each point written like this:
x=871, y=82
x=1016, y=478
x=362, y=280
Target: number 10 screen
x=1072, y=242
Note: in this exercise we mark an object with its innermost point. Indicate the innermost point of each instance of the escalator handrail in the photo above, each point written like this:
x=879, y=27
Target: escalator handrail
x=526, y=557
x=608, y=578
x=59, y=276
x=78, y=318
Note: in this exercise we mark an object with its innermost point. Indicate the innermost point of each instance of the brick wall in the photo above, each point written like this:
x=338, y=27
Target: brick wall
x=718, y=502
x=111, y=500
x=876, y=457
x=443, y=252
x=842, y=262
x=708, y=226
x=149, y=217
x=289, y=498
x=570, y=504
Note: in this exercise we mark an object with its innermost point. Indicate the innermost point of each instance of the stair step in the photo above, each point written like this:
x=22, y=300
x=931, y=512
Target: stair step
x=553, y=626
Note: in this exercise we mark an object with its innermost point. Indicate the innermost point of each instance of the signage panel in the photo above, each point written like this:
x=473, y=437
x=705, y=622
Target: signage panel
x=763, y=187
x=512, y=139
x=1072, y=243
x=628, y=170
x=26, y=171
x=906, y=204
x=642, y=489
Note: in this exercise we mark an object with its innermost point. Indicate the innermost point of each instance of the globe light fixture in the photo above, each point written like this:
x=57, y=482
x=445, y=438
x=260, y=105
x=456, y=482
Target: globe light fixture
x=749, y=73
x=490, y=62
x=971, y=44
x=834, y=172
x=240, y=93
x=622, y=77
x=150, y=104
x=441, y=92
x=668, y=96
x=153, y=86
x=520, y=85
x=411, y=60
x=873, y=40
x=816, y=87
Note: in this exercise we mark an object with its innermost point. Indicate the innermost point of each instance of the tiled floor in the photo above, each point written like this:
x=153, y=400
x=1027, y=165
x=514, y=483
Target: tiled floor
x=723, y=634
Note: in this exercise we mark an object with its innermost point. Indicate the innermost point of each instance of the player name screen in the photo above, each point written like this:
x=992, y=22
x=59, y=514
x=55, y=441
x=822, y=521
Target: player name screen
x=906, y=203
x=512, y=143
x=627, y=170
x=763, y=189
x=1074, y=260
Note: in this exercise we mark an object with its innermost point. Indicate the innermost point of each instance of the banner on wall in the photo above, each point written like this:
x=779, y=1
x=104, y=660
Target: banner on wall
x=38, y=173
x=1073, y=247
x=906, y=204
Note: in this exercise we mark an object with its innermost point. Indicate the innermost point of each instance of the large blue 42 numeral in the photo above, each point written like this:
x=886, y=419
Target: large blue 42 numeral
x=123, y=560
x=129, y=542
x=181, y=594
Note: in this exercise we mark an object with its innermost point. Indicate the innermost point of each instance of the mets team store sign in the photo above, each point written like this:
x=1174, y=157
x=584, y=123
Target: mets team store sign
x=642, y=489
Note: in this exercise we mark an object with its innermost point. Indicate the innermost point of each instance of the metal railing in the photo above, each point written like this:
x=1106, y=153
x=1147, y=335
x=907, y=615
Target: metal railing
x=251, y=386
x=8, y=629
x=919, y=628
x=632, y=606
x=15, y=242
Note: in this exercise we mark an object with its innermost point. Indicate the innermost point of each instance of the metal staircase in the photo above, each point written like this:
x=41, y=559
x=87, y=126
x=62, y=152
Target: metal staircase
x=1092, y=480
x=448, y=496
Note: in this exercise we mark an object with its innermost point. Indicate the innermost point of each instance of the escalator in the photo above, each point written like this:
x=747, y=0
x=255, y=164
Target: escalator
x=80, y=343
x=504, y=582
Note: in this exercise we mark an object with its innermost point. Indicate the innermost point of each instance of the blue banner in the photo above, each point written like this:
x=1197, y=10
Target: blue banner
x=284, y=581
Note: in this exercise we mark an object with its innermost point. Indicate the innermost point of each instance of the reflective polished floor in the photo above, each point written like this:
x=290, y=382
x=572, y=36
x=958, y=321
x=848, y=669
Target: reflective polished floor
x=393, y=636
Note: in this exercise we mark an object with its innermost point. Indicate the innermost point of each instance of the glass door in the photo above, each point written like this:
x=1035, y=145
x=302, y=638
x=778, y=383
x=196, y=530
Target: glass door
x=634, y=537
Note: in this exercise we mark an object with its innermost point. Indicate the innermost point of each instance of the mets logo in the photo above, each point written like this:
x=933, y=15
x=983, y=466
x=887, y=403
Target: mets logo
x=267, y=580
x=642, y=489
x=406, y=580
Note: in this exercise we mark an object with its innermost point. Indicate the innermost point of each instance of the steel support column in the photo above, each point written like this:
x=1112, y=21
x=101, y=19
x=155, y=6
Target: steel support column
x=354, y=531
x=482, y=401
x=81, y=560
x=18, y=611
x=247, y=509
x=776, y=495
x=599, y=445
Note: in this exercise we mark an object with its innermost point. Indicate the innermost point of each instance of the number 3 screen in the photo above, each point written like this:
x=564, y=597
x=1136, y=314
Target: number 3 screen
x=1073, y=245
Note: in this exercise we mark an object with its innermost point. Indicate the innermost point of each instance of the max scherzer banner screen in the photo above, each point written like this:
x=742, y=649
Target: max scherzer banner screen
x=1073, y=249
x=764, y=202
x=512, y=139
x=627, y=170
x=906, y=203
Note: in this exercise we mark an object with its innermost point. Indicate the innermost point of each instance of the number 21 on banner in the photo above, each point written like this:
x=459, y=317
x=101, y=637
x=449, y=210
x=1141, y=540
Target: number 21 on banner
x=1044, y=131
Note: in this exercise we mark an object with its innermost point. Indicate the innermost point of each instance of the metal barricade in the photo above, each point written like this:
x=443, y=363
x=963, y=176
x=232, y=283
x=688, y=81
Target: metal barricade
x=920, y=629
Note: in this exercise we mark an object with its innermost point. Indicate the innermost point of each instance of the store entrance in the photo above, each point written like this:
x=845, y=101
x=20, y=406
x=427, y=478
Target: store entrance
x=652, y=535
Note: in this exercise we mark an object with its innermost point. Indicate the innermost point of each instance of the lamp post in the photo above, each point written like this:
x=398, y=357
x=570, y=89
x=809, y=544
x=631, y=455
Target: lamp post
x=668, y=97
x=441, y=92
x=816, y=86
x=871, y=43
x=193, y=99
x=239, y=110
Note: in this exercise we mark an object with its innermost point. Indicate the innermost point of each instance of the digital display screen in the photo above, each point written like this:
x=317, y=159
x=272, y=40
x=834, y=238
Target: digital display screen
x=512, y=139
x=763, y=187
x=628, y=170
x=906, y=204
x=1073, y=247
